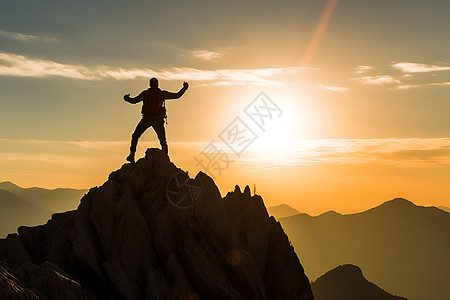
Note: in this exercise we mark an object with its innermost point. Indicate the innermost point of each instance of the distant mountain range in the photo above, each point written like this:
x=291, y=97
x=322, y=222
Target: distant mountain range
x=282, y=211
x=348, y=283
x=32, y=206
x=56, y=200
x=401, y=247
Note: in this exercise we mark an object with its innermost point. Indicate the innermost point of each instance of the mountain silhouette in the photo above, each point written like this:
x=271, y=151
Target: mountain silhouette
x=282, y=211
x=347, y=282
x=444, y=208
x=56, y=200
x=401, y=247
x=151, y=232
x=16, y=211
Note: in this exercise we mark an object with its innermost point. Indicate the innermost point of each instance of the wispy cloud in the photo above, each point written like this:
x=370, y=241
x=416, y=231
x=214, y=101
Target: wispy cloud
x=362, y=69
x=405, y=152
x=377, y=80
x=19, y=65
x=408, y=67
x=249, y=77
x=407, y=80
x=83, y=144
x=44, y=158
x=26, y=37
x=331, y=88
x=206, y=54
x=22, y=66
x=410, y=86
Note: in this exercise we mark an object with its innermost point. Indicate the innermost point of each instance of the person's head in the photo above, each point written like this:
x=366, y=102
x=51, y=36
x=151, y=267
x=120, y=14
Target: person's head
x=153, y=82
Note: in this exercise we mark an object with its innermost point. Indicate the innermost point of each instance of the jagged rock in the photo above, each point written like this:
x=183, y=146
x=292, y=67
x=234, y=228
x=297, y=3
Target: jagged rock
x=150, y=232
x=50, y=282
x=10, y=287
x=13, y=252
x=264, y=239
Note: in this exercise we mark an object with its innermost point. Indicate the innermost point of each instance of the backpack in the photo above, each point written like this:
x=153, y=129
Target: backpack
x=154, y=104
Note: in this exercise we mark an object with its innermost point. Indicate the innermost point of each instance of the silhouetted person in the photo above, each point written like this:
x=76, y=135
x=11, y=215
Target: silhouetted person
x=153, y=113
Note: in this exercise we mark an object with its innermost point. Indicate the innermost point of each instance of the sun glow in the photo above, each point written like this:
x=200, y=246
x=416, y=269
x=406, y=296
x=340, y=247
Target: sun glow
x=277, y=135
x=293, y=124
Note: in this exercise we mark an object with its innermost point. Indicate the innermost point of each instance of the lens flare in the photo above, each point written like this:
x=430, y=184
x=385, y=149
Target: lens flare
x=328, y=12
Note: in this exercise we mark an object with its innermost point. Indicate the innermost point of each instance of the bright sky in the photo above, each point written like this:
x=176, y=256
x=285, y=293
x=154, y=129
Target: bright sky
x=362, y=88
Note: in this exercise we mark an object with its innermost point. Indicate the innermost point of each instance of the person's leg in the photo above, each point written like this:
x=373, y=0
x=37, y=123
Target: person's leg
x=143, y=124
x=158, y=125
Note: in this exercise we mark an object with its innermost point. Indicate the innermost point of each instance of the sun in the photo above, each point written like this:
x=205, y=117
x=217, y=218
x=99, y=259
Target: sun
x=277, y=134
x=282, y=130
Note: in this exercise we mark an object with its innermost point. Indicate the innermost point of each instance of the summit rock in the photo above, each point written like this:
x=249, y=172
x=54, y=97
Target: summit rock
x=151, y=232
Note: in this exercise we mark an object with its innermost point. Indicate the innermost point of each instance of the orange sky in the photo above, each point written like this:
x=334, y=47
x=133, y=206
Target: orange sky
x=362, y=91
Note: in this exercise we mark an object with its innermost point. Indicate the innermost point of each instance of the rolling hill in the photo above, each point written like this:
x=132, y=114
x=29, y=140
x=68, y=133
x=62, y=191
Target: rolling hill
x=401, y=247
x=347, y=282
x=16, y=211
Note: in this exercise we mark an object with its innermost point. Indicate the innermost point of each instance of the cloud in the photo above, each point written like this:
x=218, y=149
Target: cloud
x=377, y=80
x=44, y=158
x=404, y=152
x=25, y=147
x=407, y=86
x=83, y=144
x=418, y=154
x=362, y=69
x=205, y=54
x=25, y=37
x=22, y=66
x=408, y=79
x=408, y=67
x=331, y=88
x=254, y=77
x=19, y=65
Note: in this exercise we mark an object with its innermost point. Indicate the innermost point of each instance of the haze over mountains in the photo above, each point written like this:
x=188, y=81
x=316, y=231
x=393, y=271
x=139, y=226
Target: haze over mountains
x=14, y=212
x=282, y=211
x=403, y=248
x=32, y=206
x=55, y=200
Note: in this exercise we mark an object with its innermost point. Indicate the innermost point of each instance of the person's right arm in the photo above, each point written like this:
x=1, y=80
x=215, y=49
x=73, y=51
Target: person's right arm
x=136, y=99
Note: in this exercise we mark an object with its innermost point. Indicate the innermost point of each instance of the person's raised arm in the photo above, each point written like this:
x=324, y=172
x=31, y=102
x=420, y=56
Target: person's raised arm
x=134, y=100
x=169, y=95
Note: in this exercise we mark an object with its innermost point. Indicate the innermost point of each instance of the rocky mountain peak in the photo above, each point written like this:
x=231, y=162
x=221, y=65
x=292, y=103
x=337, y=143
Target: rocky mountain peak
x=151, y=232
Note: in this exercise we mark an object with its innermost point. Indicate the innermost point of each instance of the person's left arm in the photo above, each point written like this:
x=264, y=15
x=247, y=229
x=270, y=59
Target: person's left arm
x=170, y=95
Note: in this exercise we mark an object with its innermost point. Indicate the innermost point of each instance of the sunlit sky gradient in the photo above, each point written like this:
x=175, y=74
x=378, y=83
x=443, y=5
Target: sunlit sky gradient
x=364, y=87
